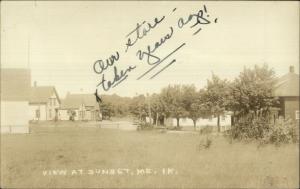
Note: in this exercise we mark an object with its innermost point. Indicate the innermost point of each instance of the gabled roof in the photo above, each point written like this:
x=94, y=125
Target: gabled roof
x=41, y=94
x=74, y=101
x=287, y=85
x=15, y=84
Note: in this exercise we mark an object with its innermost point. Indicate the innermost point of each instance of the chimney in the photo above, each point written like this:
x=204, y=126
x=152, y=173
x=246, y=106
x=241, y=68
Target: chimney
x=35, y=84
x=292, y=69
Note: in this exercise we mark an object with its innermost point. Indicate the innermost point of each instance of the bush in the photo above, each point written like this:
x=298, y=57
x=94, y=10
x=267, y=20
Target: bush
x=249, y=128
x=283, y=131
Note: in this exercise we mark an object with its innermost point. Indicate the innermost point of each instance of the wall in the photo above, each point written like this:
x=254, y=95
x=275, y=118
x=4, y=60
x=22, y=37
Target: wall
x=34, y=107
x=15, y=117
x=88, y=115
x=52, y=104
x=291, y=105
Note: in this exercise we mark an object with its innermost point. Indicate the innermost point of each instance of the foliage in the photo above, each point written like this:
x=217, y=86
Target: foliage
x=173, y=101
x=138, y=107
x=216, y=98
x=194, y=103
x=114, y=105
x=250, y=128
x=157, y=108
x=283, y=131
x=107, y=110
x=251, y=92
x=259, y=128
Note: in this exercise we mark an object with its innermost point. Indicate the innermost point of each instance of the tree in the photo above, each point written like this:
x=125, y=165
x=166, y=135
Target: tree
x=157, y=108
x=251, y=92
x=138, y=107
x=216, y=97
x=106, y=109
x=118, y=104
x=172, y=98
x=198, y=109
x=192, y=102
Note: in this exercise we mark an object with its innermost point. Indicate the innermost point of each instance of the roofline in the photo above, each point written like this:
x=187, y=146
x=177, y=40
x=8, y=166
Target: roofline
x=57, y=95
x=37, y=102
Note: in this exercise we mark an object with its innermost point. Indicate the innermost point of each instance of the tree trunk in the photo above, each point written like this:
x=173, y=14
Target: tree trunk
x=177, y=122
x=194, y=121
x=156, y=119
x=219, y=127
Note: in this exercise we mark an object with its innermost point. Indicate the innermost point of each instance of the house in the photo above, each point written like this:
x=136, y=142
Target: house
x=287, y=90
x=82, y=107
x=225, y=122
x=15, y=93
x=44, y=103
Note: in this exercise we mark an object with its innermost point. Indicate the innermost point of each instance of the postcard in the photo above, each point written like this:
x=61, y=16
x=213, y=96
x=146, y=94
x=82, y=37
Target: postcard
x=149, y=94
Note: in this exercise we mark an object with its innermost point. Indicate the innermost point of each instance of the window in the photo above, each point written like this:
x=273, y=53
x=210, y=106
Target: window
x=37, y=113
x=297, y=114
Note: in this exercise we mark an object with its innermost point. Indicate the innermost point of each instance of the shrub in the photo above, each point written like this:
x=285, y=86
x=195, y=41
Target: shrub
x=282, y=131
x=250, y=128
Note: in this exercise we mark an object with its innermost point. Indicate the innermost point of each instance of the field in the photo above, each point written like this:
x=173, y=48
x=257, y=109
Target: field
x=27, y=160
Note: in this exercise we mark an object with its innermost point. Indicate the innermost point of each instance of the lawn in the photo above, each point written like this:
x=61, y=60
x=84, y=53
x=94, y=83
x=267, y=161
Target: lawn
x=71, y=148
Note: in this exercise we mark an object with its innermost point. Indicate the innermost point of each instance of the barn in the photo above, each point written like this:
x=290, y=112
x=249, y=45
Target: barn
x=15, y=93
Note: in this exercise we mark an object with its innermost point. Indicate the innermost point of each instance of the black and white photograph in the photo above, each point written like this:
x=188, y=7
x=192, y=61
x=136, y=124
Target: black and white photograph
x=149, y=94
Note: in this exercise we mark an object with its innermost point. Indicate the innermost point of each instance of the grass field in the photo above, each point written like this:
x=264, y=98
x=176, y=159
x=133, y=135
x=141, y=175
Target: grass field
x=69, y=147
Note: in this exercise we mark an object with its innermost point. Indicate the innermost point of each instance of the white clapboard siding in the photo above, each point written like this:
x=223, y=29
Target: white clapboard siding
x=14, y=117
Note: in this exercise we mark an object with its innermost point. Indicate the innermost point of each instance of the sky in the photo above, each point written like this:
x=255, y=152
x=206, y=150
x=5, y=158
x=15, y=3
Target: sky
x=61, y=40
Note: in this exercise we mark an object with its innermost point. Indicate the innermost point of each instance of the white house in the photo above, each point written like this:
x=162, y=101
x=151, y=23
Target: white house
x=15, y=93
x=44, y=103
x=79, y=106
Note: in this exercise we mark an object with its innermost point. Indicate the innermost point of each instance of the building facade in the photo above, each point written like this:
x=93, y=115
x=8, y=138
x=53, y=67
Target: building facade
x=83, y=107
x=15, y=94
x=287, y=90
x=44, y=103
